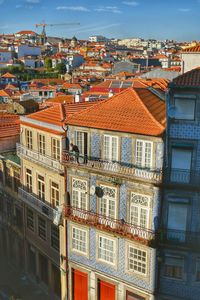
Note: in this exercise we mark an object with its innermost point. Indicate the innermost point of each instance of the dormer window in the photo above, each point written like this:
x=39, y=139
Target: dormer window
x=184, y=109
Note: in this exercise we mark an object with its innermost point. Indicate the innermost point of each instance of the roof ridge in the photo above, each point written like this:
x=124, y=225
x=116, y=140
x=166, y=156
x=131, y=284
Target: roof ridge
x=146, y=109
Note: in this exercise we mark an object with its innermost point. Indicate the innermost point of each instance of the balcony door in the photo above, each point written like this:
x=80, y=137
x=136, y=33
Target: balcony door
x=177, y=222
x=181, y=165
x=82, y=144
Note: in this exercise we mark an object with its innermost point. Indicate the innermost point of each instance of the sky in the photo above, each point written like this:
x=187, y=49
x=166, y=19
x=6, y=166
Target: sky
x=159, y=19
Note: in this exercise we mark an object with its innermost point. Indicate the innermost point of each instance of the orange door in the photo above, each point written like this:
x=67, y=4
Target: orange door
x=106, y=291
x=80, y=285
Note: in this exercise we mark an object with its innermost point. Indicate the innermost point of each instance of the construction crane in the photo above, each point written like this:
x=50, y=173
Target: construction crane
x=44, y=25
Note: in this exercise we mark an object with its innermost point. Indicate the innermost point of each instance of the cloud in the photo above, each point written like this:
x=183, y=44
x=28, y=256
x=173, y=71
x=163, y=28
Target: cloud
x=184, y=9
x=74, y=8
x=109, y=9
x=131, y=3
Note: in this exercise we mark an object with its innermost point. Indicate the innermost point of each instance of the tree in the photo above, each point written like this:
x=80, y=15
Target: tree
x=61, y=68
x=48, y=63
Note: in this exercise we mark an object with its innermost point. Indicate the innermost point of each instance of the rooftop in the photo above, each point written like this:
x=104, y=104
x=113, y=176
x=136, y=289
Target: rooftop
x=136, y=111
x=188, y=79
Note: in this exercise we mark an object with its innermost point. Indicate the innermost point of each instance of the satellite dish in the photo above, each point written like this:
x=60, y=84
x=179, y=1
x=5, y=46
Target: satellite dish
x=172, y=112
x=92, y=190
x=99, y=192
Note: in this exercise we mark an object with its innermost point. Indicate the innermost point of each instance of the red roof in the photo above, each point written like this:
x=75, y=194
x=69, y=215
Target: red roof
x=9, y=125
x=188, y=79
x=137, y=111
x=193, y=49
x=8, y=75
x=26, y=32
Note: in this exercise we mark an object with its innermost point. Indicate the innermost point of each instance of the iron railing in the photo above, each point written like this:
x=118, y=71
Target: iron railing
x=180, y=237
x=112, y=167
x=180, y=176
x=33, y=200
x=102, y=222
x=37, y=157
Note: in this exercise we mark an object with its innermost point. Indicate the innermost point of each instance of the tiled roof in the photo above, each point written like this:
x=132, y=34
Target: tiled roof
x=4, y=93
x=188, y=79
x=8, y=75
x=195, y=48
x=26, y=32
x=132, y=111
x=61, y=99
x=9, y=125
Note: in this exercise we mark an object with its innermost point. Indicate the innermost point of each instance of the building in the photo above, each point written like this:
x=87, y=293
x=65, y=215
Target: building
x=98, y=39
x=190, y=58
x=114, y=197
x=180, y=238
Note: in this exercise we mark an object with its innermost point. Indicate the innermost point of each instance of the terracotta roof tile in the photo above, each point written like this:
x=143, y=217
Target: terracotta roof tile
x=9, y=125
x=189, y=79
x=132, y=111
x=8, y=75
x=193, y=49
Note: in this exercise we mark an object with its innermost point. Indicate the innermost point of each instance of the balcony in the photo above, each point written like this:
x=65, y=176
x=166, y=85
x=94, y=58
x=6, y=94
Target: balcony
x=37, y=204
x=182, y=177
x=180, y=238
x=120, y=227
x=36, y=157
x=118, y=169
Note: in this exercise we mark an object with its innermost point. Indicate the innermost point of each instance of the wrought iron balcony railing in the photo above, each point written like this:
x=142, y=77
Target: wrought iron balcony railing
x=142, y=235
x=35, y=156
x=180, y=176
x=180, y=237
x=110, y=167
x=33, y=200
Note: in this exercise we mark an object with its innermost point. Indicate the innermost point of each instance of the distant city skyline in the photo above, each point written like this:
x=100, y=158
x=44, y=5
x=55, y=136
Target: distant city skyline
x=157, y=19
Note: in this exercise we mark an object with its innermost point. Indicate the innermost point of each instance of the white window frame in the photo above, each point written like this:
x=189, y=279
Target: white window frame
x=85, y=231
x=54, y=192
x=41, y=184
x=140, y=207
x=56, y=148
x=101, y=237
x=142, y=162
x=109, y=156
x=29, y=138
x=29, y=180
x=106, y=201
x=137, y=262
x=80, y=193
x=42, y=143
x=79, y=141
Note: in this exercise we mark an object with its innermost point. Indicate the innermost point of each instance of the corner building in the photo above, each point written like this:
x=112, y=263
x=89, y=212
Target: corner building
x=114, y=196
x=180, y=239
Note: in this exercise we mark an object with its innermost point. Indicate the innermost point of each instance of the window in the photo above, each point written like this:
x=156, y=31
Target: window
x=173, y=267
x=137, y=260
x=42, y=228
x=181, y=164
x=29, y=139
x=16, y=180
x=8, y=177
x=107, y=204
x=55, y=144
x=54, y=194
x=198, y=270
x=41, y=144
x=55, y=237
x=184, y=109
x=81, y=142
x=41, y=188
x=106, y=249
x=29, y=180
x=144, y=154
x=30, y=219
x=139, y=210
x=79, y=240
x=110, y=151
x=79, y=193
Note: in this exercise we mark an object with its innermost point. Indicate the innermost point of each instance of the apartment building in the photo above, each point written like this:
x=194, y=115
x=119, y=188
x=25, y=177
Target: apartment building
x=180, y=238
x=42, y=192
x=114, y=197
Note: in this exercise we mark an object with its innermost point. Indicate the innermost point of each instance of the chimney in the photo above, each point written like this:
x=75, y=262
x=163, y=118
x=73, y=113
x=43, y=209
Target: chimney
x=77, y=98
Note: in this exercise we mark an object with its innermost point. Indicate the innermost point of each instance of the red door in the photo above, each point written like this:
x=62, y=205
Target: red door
x=80, y=285
x=106, y=291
